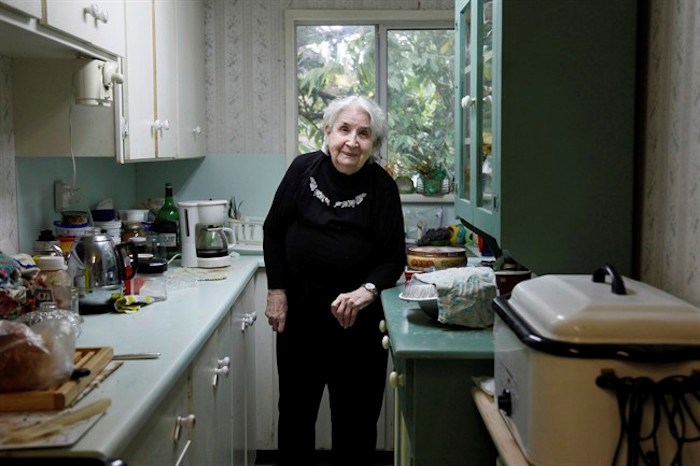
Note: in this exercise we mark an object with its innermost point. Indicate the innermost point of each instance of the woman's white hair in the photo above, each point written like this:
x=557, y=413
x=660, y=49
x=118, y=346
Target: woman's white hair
x=377, y=121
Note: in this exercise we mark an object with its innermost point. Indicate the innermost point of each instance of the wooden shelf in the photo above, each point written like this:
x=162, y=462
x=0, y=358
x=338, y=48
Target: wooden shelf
x=508, y=450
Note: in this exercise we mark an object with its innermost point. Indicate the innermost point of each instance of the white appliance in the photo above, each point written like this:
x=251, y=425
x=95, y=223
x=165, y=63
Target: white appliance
x=94, y=81
x=206, y=242
x=571, y=349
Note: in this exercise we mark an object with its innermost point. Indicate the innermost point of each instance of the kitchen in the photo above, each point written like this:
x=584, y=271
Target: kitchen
x=246, y=154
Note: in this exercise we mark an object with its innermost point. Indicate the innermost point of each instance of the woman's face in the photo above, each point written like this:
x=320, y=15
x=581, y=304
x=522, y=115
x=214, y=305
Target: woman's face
x=350, y=140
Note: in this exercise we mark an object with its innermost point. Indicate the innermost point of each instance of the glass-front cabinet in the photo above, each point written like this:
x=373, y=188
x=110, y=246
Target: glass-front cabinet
x=545, y=130
x=476, y=199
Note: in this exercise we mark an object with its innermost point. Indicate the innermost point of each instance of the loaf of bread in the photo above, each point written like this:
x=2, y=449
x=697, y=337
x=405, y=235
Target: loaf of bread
x=25, y=360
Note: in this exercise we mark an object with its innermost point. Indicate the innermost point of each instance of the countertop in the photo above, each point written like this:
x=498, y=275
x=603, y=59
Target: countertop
x=414, y=335
x=177, y=328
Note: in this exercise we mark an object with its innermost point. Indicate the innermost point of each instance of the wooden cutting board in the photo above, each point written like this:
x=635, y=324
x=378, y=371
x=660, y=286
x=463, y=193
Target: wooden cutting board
x=61, y=396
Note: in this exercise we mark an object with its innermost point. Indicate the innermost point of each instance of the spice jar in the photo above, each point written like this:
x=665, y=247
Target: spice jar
x=132, y=230
x=54, y=284
x=150, y=278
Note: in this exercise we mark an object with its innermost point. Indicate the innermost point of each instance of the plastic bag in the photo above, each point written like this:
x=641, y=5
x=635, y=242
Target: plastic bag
x=35, y=358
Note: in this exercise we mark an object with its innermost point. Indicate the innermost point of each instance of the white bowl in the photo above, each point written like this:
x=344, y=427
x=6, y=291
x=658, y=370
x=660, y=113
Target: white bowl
x=134, y=215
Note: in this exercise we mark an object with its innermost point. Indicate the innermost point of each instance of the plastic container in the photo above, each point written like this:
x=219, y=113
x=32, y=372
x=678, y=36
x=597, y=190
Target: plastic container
x=54, y=284
x=150, y=279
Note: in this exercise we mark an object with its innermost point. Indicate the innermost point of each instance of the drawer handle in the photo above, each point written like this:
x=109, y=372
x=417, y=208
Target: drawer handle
x=382, y=326
x=386, y=342
x=95, y=11
x=183, y=422
x=248, y=320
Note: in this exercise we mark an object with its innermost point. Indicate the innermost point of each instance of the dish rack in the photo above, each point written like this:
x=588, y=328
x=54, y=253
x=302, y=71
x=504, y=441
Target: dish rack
x=247, y=231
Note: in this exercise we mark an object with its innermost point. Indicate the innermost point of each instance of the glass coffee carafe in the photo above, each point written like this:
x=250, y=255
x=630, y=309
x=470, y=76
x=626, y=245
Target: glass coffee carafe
x=214, y=241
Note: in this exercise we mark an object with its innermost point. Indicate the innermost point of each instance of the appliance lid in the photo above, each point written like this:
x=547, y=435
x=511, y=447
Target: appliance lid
x=576, y=309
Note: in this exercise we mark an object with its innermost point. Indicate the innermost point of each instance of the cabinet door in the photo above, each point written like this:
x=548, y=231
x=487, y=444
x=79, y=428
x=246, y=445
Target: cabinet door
x=97, y=22
x=150, y=109
x=165, y=76
x=28, y=7
x=191, y=110
x=138, y=92
x=242, y=364
x=213, y=379
x=156, y=442
x=476, y=162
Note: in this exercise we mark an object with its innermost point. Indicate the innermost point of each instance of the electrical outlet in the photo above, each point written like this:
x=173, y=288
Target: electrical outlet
x=63, y=193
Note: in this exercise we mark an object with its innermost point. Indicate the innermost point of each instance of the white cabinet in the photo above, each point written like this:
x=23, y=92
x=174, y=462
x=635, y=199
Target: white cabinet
x=149, y=93
x=157, y=114
x=96, y=22
x=191, y=104
x=29, y=7
x=164, y=101
x=160, y=440
x=213, y=402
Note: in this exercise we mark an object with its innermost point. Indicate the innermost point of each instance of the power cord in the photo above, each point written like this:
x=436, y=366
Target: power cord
x=669, y=397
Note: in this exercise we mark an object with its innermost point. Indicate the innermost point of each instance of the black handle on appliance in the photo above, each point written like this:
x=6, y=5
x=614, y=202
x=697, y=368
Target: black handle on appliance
x=618, y=285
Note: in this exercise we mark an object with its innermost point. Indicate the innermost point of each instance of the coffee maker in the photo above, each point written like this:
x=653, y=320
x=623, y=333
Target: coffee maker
x=206, y=242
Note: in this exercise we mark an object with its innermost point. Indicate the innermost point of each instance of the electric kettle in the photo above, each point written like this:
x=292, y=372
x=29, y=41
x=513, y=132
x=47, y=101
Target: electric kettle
x=98, y=270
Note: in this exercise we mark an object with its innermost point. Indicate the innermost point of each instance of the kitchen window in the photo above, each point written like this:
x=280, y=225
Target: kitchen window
x=402, y=59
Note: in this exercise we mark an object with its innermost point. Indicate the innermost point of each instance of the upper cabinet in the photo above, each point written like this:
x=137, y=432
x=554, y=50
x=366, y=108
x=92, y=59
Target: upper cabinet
x=545, y=130
x=157, y=113
x=97, y=22
x=150, y=69
x=164, y=66
x=191, y=111
x=28, y=7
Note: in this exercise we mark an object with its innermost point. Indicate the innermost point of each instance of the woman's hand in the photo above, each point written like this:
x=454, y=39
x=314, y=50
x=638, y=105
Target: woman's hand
x=347, y=305
x=276, y=309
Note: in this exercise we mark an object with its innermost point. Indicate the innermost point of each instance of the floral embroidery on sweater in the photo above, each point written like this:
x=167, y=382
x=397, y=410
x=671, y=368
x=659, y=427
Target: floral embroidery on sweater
x=318, y=194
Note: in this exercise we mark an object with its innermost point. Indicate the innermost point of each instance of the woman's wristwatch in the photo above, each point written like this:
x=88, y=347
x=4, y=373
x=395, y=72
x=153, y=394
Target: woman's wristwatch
x=371, y=288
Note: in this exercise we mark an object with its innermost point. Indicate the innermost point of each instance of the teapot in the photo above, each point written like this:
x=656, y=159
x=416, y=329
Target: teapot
x=97, y=267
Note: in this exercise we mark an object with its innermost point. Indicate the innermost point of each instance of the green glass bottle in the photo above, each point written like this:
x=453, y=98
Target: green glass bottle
x=168, y=224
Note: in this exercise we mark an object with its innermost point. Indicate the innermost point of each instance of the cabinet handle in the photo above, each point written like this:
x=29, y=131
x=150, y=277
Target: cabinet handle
x=223, y=367
x=197, y=130
x=161, y=125
x=248, y=320
x=181, y=423
x=468, y=101
x=396, y=379
x=386, y=342
x=95, y=11
x=382, y=326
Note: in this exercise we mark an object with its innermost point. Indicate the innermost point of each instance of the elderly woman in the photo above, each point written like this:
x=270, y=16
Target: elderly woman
x=333, y=239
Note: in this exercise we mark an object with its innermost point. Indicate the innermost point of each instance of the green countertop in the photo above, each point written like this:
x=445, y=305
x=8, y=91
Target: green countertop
x=414, y=335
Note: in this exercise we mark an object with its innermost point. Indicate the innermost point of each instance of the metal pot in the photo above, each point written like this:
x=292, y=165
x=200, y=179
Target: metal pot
x=98, y=271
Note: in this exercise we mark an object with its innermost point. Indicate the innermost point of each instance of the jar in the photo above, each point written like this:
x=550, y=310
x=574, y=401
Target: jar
x=150, y=278
x=54, y=284
x=132, y=230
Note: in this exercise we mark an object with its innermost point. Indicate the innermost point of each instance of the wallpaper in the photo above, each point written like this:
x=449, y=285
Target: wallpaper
x=670, y=235
x=8, y=184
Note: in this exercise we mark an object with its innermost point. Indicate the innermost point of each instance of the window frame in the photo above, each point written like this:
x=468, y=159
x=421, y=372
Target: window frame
x=385, y=19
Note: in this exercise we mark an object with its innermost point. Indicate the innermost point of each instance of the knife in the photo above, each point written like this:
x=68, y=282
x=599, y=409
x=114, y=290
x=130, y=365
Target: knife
x=133, y=356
